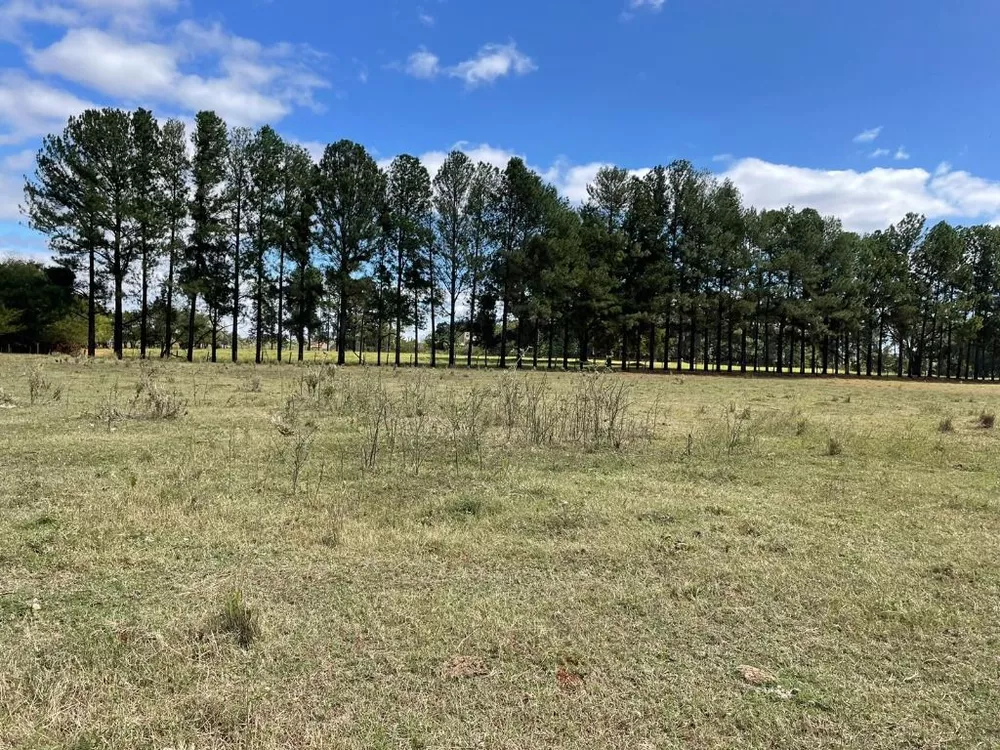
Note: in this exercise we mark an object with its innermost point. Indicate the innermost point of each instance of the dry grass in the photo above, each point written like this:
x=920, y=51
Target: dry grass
x=494, y=579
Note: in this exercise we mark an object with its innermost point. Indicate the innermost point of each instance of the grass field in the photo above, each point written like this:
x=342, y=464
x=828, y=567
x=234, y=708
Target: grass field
x=197, y=556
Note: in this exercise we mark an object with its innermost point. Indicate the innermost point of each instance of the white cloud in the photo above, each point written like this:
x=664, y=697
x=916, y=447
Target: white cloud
x=257, y=84
x=722, y=157
x=879, y=153
x=970, y=196
x=425, y=18
x=901, y=154
x=632, y=7
x=653, y=5
x=493, y=61
x=16, y=16
x=869, y=200
x=423, y=64
x=867, y=136
x=108, y=64
x=29, y=108
x=864, y=201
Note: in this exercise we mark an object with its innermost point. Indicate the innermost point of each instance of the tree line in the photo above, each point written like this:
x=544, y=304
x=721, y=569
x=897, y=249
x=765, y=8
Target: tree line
x=661, y=269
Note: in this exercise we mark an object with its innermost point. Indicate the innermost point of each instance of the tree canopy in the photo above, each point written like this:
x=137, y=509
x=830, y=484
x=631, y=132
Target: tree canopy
x=662, y=269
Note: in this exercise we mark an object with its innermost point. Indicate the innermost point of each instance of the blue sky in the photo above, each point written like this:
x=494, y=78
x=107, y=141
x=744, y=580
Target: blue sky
x=865, y=110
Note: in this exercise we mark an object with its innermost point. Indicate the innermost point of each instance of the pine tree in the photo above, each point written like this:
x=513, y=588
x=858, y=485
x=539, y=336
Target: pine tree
x=175, y=167
x=349, y=187
x=206, y=270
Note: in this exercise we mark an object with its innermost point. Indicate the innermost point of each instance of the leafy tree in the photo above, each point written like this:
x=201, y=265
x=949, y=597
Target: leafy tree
x=408, y=197
x=480, y=207
x=266, y=153
x=293, y=230
x=80, y=197
x=206, y=271
x=175, y=171
x=349, y=188
x=148, y=211
x=39, y=309
x=62, y=201
x=237, y=196
x=452, y=185
x=518, y=218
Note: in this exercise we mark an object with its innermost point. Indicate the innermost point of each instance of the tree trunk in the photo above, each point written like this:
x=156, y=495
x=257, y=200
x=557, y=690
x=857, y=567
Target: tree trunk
x=144, y=304
x=534, y=351
x=92, y=305
x=718, y=335
x=342, y=318
x=119, y=342
x=416, y=330
x=281, y=302
x=399, y=304
x=215, y=334
x=881, y=343
x=565, y=351
x=472, y=318
x=552, y=331
x=433, y=326
x=652, y=344
x=234, y=344
x=191, y=314
x=119, y=274
x=503, y=324
x=451, y=315
x=868, y=359
x=694, y=338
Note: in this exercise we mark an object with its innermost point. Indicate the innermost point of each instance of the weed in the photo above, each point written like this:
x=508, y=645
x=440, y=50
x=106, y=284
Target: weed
x=300, y=455
x=737, y=429
x=834, y=446
x=987, y=419
x=946, y=425
x=253, y=383
x=239, y=620
x=40, y=389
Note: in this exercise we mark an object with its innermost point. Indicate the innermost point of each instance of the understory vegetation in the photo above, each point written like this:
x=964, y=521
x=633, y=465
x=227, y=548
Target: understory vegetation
x=228, y=556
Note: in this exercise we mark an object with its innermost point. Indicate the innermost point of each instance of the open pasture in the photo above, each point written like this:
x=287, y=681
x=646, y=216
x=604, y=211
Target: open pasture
x=222, y=556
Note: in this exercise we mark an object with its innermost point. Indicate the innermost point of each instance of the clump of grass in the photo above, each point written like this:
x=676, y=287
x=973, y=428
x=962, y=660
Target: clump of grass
x=239, y=620
x=737, y=428
x=987, y=419
x=834, y=446
x=469, y=507
x=946, y=425
x=6, y=400
x=801, y=427
x=153, y=402
x=40, y=389
x=253, y=383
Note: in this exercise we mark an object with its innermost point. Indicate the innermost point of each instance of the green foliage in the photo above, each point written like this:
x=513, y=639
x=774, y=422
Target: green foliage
x=239, y=620
x=664, y=269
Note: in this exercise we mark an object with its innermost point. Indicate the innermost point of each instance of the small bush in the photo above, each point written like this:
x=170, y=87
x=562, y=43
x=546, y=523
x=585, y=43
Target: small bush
x=987, y=419
x=239, y=620
x=946, y=425
x=834, y=446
